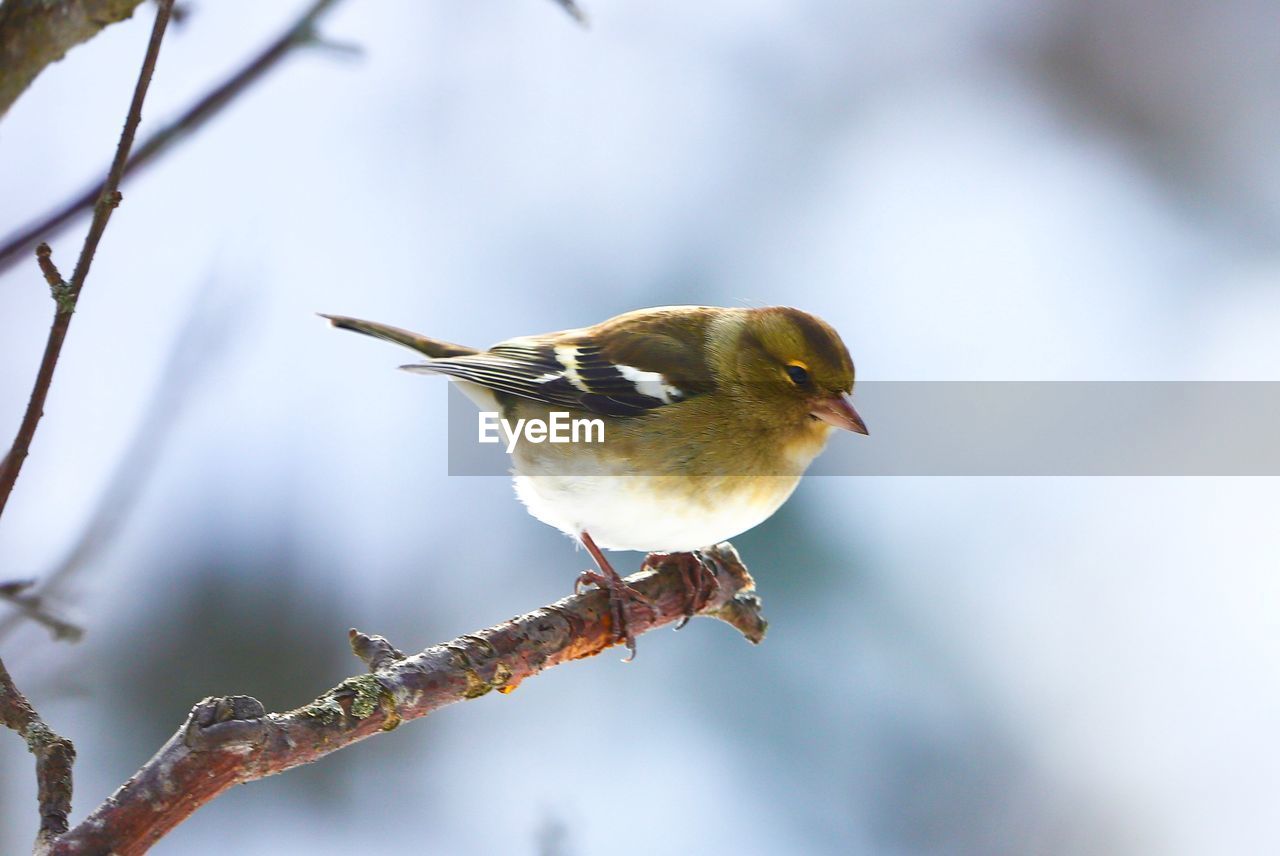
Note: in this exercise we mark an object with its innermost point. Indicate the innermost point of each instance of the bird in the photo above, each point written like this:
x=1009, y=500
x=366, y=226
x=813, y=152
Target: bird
x=709, y=415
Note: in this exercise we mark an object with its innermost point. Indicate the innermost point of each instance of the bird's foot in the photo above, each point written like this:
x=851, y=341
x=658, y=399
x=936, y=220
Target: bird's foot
x=621, y=597
x=700, y=581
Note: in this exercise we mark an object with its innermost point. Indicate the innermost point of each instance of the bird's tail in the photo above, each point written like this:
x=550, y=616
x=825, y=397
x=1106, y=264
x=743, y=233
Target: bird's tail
x=431, y=347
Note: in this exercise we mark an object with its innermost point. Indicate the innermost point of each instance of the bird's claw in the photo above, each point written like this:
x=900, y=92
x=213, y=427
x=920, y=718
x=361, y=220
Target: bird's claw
x=620, y=595
x=589, y=578
x=699, y=575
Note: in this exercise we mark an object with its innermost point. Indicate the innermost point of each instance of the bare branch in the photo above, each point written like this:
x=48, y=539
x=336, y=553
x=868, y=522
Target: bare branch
x=54, y=757
x=31, y=605
x=195, y=349
x=44, y=258
x=34, y=33
x=66, y=294
x=228, y=741
x=574, y=10
x=300, y=33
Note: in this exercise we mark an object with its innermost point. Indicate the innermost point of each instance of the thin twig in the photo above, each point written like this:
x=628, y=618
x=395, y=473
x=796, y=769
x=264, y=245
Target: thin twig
x=54, y=757
x=574, y=10
x=300, y=32
x=66, y=294
x=31, y=604
x=195, y=349
x=228, y=741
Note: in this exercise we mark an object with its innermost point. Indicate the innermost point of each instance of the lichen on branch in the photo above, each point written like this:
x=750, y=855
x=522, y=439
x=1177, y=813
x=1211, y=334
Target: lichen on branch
x=54, y=758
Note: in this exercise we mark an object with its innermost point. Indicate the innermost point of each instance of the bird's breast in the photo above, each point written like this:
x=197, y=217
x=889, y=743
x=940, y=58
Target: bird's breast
x=654, y=513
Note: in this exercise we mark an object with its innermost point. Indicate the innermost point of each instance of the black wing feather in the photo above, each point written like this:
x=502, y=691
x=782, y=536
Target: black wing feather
x=534, y=370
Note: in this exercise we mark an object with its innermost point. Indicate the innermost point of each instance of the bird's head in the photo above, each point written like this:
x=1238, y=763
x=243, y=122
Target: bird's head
x=794, y=366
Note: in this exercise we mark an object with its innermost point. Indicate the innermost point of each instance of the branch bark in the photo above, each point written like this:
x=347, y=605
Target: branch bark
x=54, y=757
x=35, y=33
x=228, y=741
x=66, y=294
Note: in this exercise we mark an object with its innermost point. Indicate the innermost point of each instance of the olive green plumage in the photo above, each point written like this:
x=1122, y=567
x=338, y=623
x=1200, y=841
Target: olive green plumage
x=712, y=413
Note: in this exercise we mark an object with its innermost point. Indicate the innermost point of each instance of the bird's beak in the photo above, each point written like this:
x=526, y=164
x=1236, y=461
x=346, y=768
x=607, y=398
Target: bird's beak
x=838, y=410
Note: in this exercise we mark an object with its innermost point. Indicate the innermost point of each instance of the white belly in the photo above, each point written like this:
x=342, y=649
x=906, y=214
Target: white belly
x=628, y=513
x=671, y=514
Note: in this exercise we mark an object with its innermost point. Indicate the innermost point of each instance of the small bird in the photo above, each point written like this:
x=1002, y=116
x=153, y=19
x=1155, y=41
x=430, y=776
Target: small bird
x=710, y=417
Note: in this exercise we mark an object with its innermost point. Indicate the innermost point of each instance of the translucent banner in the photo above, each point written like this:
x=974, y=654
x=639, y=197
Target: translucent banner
x=924, y=428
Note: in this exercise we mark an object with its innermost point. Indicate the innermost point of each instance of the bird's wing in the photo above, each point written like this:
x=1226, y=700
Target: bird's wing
x=627, y=366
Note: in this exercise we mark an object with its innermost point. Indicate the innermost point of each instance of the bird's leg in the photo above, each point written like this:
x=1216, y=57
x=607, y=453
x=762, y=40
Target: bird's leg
x=617, y=589
x=700, y=581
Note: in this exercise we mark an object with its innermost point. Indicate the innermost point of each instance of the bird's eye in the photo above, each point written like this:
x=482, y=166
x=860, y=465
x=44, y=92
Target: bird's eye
x=799, y=374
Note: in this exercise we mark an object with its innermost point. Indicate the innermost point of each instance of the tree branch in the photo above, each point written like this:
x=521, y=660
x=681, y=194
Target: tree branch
x=574, y=10
x=300, y=32
x=34, y=33
x=228, y=741
x=67, y=293
x=54, y=757
x=195, y=350
x=32, y=605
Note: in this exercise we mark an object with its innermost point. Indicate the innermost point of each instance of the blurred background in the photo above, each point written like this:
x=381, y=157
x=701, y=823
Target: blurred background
x=990, y=190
